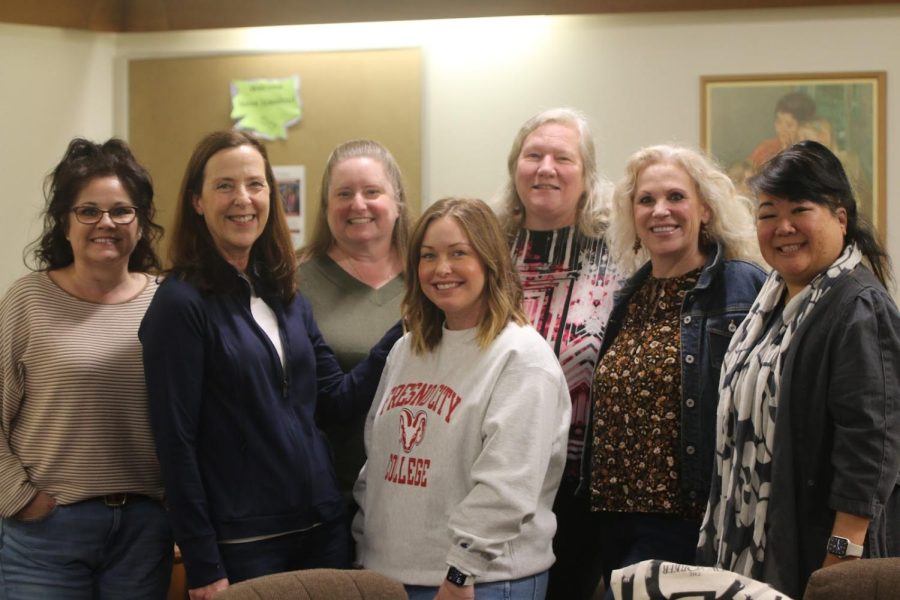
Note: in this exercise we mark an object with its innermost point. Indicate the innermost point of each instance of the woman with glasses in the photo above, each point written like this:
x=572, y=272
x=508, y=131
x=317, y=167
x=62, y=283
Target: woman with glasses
x=80, y=486
x=236, y=371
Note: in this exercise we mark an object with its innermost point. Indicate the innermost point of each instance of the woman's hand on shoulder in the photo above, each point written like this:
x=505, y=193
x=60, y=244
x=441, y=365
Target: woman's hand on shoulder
x=450, y=591
x=207, y=592
x=39, y=507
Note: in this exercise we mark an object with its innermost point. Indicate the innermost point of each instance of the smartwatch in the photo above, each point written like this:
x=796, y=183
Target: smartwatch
x=843, y=548
x=457, y=577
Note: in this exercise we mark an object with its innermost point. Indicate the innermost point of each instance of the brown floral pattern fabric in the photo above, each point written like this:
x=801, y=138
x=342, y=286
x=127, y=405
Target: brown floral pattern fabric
x=637, y=399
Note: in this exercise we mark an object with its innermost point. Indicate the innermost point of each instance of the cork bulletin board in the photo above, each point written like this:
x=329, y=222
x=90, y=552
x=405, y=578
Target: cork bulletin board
x=174, y=102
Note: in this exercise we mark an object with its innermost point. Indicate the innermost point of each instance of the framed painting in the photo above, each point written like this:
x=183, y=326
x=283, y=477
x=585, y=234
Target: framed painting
x=747, y=119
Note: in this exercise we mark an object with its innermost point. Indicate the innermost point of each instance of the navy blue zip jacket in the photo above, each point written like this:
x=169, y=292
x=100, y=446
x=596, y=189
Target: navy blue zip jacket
x=236, y=436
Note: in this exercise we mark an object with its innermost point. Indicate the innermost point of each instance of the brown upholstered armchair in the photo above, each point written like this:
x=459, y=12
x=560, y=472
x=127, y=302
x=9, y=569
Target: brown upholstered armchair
x=869, y=579
x=317, y=584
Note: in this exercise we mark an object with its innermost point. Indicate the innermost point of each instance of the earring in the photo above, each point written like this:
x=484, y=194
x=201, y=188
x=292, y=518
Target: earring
x=706, y=240
x=637, y=245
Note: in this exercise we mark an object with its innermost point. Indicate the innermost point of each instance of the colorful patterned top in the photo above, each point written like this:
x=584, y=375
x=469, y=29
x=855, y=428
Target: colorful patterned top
x=637, y=399
x=569, y=282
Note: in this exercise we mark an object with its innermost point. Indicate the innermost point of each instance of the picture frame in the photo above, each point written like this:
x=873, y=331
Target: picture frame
x=291, y=181
x=746, y=119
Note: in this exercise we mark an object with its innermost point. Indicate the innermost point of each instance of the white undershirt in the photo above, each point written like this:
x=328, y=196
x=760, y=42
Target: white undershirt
x=265, y=318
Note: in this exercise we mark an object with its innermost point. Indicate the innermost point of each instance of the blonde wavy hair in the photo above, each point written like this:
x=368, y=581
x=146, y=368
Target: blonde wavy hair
x=502, y=288
x=731, y=223
x=593, y=206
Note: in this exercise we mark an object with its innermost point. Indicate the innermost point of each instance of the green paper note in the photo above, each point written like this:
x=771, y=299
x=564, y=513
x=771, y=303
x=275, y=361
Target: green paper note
x=266, y=107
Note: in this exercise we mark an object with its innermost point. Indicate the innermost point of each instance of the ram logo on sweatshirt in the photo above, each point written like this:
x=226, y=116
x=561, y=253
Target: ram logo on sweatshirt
x=412, y=428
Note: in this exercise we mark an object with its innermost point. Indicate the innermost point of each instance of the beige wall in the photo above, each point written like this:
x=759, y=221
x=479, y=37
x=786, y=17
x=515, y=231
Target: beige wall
x=637, y=77
x=54, y=85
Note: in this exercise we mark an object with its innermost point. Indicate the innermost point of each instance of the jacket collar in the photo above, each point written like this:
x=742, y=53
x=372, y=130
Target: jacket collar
x=711, y=268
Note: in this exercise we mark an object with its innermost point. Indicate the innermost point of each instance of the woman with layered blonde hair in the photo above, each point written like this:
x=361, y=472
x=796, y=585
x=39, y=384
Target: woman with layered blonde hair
x=502, y=289
x=469, y=476
x=730, y=220
x=649, y=451
x=592, y=208
x=555, y=211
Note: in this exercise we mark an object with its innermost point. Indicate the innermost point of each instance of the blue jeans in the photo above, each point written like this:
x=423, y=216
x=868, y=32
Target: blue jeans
x=526, y=588
x=87, y=551
x=324, y=547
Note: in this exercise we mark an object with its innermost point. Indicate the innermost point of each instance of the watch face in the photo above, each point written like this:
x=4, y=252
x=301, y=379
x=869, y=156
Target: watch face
x=837, y=546
x=457, y=577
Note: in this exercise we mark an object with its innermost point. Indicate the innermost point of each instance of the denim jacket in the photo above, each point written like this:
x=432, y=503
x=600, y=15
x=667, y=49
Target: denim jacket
x=710, y=314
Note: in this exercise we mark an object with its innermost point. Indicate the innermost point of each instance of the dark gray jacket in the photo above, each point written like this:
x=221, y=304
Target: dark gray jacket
x=837, y=431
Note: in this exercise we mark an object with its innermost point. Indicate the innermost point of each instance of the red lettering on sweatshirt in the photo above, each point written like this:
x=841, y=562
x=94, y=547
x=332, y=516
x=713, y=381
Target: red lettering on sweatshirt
x=438, y=398
x=408, y=470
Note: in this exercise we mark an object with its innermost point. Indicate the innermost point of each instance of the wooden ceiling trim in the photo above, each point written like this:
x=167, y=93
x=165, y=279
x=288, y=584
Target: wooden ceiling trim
x=178, y=15
x=93, y=15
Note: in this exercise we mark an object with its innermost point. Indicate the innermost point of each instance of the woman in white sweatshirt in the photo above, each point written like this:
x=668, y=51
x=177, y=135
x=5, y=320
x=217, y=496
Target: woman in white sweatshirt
x=466, y=437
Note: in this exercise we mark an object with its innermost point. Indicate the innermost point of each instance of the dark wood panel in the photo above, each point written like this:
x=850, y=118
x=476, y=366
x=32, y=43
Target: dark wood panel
x=176, y=15
x=94, y=15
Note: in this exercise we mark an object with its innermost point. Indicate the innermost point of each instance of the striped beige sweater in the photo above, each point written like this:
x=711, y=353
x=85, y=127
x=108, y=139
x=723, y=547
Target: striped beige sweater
x=73, y=408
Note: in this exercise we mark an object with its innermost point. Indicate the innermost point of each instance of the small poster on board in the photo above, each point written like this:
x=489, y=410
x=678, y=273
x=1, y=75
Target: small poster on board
x=291, y=181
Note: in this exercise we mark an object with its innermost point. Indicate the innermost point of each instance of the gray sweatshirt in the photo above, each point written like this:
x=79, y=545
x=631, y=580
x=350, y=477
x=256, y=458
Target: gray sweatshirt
x=465, y=450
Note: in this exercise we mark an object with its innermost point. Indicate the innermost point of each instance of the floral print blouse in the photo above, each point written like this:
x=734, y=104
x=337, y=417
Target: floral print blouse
x=637, y=397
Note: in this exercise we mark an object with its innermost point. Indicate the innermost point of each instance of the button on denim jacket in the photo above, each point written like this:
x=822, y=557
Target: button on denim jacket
x=710, y=314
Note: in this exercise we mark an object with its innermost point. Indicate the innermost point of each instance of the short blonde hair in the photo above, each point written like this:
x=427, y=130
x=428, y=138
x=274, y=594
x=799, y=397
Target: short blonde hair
x=593, y=206
x=322, y=238
x=502, y=287
x=731, y=221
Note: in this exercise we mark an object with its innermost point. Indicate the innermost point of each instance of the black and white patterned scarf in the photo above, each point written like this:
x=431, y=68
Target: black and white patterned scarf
x=733, y=531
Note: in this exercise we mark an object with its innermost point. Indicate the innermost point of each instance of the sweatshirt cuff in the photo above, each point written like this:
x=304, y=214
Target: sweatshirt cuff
x=202, y=562
x=468, y=561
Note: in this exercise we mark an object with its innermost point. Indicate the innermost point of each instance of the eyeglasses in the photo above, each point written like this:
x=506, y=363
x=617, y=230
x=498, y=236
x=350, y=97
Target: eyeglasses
x=90, y=215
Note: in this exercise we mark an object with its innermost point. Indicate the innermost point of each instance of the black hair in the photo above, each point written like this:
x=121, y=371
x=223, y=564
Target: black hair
x=810, y=171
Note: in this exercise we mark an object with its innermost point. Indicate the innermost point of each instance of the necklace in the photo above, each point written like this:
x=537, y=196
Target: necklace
x=347, y=264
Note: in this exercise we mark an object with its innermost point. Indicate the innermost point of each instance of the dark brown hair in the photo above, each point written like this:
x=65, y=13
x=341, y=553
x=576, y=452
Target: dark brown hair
x=83, y=162
x=194, y=255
